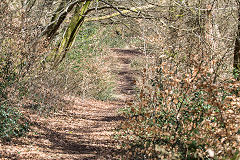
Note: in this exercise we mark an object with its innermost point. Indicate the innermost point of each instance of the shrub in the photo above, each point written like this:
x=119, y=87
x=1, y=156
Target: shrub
x=12, y=123
x=84, y=68
x=182, y=116
x=19, y=59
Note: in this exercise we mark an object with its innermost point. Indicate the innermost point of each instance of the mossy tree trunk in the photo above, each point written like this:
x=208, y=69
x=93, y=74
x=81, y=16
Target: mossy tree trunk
x=76, y=21
x=71, y=31
x=58, y=17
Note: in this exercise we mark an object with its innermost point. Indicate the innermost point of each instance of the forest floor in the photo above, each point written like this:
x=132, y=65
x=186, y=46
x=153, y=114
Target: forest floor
x=83, y=130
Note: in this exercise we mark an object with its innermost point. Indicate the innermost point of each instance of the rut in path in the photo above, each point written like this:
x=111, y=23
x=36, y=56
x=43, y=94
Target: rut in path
x=81, y=131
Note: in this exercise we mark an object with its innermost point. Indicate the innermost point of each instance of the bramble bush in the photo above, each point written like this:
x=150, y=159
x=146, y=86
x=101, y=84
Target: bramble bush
x=183, y=116
x=12, y=123
x=19, y=59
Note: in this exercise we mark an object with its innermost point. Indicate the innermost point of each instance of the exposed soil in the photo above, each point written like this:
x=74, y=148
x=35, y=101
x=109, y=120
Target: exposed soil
x=81, y=131
x=126, y=75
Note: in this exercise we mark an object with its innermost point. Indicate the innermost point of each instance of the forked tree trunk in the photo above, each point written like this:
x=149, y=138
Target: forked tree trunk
x=236, y=63
x=58, y=18
x=71, y=31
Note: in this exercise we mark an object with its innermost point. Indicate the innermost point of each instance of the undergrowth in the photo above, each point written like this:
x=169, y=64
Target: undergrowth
x=86, y=63
x=182, y=115
x=28, y=80
x=12, y=123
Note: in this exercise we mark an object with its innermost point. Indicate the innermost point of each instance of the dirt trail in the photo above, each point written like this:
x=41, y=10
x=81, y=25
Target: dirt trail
x=82, y=131
x=126, y=75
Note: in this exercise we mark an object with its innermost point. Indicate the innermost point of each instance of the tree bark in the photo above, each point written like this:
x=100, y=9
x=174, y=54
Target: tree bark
x=57, y=19
x=71, y=31
x=236, y=63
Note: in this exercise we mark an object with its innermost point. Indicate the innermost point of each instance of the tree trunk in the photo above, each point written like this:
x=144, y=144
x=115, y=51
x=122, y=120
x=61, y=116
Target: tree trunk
x=236, y=63
x=71, y=31
x=58, y=18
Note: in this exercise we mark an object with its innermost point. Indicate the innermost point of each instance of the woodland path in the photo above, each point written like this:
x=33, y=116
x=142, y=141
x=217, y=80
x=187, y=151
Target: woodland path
x=81, y=131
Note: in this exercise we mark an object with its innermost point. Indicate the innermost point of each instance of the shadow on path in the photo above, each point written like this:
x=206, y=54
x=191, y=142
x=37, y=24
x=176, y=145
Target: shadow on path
x=130, y=52
x=125, y=74
x=84, y=129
